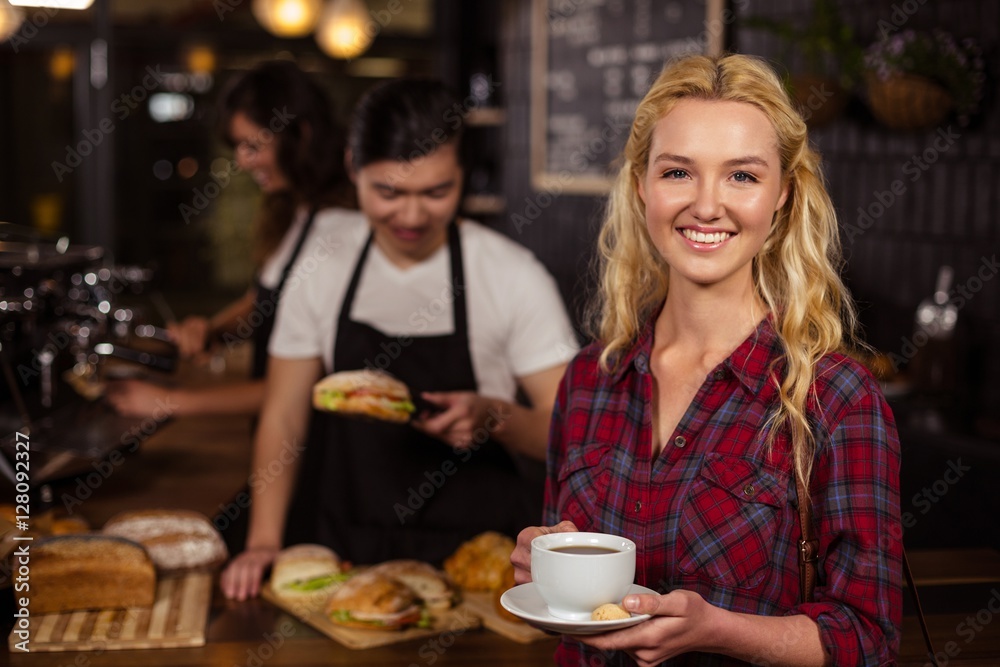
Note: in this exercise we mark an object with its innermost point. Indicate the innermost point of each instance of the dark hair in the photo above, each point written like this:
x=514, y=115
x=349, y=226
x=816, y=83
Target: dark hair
x=404, y=119
x=283, y=99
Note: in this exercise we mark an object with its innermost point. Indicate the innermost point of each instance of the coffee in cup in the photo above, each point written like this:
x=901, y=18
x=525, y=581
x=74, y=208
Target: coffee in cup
x=577, y=572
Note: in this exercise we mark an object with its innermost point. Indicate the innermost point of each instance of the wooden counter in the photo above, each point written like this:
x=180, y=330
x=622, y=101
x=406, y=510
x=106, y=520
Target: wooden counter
x=202, y=463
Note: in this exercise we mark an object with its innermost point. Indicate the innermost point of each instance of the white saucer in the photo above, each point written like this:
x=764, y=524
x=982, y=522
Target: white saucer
x=524, y=602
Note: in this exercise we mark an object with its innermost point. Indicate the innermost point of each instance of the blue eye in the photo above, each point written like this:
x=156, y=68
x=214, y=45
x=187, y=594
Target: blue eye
x=675, y=173
x=744, y=177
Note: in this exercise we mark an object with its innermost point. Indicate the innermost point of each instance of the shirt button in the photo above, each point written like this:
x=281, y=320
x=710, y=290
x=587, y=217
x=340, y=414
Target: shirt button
x=642, y=363
x=748, y=490
x=638, y=506
x=680, y=441
x=719, y=375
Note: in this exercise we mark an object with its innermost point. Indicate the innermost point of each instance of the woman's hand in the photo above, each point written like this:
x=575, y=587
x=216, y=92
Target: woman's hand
x=682, y=621
x=465, y=418
x=134, y=398
x=241, y=578
x=190, y=335
x=520, y=558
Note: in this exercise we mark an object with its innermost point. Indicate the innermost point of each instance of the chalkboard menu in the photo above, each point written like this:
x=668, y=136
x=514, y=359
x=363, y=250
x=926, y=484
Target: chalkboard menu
x=592, y=62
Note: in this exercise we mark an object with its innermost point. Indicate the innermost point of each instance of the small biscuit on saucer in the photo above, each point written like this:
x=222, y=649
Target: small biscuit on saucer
x=610, y=612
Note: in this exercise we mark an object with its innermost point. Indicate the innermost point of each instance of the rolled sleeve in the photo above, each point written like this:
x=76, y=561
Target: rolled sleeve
x=858, y=598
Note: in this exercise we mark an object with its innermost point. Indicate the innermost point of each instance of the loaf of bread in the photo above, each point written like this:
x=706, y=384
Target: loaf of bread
x=75, y=572
x=478, y=565
x=175, y=539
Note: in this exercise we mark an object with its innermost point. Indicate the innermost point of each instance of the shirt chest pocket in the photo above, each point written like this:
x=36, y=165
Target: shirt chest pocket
x=583, y=485
x=728, y=527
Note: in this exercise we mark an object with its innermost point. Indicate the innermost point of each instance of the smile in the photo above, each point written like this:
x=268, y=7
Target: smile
x=701, y=237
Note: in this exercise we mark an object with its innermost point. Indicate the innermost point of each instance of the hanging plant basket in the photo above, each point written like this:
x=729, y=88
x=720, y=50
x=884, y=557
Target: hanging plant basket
x=907, y=101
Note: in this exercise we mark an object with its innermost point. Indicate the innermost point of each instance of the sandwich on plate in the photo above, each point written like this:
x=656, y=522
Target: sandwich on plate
x=364, y=393
x=375, y=601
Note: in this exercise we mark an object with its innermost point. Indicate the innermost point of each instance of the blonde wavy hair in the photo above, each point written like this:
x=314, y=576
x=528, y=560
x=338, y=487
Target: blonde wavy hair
x=796, y=272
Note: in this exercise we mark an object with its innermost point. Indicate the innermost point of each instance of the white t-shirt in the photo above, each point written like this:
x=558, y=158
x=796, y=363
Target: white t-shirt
x=517, y=322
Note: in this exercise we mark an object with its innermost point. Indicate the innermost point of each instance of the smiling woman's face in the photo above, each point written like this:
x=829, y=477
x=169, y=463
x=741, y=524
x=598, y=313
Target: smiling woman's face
x=257, y=153
x=712, y=186
x=409, y=204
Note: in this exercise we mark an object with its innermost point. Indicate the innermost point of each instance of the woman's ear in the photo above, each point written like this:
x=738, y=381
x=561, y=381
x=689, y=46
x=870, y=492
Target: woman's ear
x=786, y=188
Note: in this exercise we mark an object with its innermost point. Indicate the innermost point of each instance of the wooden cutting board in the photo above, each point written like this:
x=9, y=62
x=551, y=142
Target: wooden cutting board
x=481, y=604
x=176, y=619
x=457, y=621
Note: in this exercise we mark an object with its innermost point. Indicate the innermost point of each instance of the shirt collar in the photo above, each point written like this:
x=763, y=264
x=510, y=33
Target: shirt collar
x=752, y=363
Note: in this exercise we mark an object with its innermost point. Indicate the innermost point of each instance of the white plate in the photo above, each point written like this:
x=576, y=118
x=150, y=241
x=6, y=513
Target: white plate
x=525, y=602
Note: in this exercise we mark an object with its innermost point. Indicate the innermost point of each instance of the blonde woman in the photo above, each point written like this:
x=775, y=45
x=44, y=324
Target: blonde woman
x=718, y=378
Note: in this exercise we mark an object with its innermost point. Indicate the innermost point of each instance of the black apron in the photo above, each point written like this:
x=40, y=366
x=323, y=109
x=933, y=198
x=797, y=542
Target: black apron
x=374, y=491
x=266, y=304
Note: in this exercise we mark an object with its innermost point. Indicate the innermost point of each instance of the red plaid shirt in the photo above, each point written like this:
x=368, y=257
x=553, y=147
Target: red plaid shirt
x=716, y=515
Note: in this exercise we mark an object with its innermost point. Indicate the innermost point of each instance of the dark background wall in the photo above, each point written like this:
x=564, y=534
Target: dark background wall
x=950, y=214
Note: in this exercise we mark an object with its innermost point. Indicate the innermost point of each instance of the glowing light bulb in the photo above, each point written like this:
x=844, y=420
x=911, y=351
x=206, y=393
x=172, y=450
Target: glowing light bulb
x=287, y=18
x=345, y=29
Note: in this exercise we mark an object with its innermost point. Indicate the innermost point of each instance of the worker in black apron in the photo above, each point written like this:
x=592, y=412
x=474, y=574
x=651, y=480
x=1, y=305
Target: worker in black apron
x=373, y=490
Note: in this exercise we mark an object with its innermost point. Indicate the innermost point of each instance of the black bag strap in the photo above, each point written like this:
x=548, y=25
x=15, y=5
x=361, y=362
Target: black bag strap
x=809, y=556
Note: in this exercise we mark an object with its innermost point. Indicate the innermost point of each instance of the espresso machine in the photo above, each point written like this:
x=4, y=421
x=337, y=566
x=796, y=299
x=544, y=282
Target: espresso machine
x=68, y=324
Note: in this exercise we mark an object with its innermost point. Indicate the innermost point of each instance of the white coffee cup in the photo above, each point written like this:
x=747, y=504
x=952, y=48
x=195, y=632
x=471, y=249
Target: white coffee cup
x=574, y=584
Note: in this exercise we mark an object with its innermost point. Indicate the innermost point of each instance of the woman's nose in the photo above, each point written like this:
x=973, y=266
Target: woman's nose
x=412, y=212
x=707, y=204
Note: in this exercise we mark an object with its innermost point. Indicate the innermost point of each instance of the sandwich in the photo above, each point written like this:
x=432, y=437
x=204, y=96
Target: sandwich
x=306, y=574
x=365, y=393
x=374, y=601
x=431, y=585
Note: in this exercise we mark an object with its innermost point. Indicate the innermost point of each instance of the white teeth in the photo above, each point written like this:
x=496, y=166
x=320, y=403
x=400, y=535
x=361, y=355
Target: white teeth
x=701, y=237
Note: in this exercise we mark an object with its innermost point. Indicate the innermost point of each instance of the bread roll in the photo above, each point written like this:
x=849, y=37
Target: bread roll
x=90, y=572
x=479, y=564
x=306, y=574
x=175, y=539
